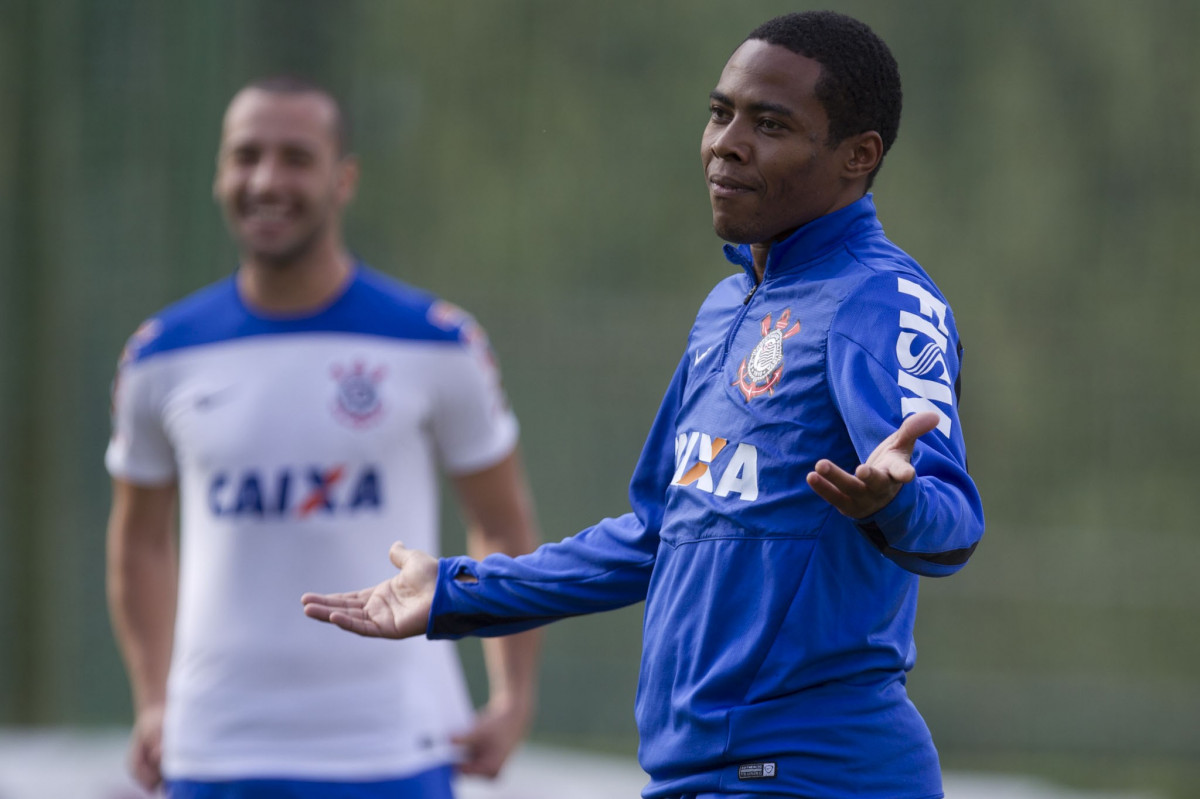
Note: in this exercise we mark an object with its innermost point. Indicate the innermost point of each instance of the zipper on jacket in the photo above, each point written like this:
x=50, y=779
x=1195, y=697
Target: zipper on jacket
x=737, y=323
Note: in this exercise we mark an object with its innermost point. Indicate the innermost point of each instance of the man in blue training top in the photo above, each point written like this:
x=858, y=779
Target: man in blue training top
x=806, y=465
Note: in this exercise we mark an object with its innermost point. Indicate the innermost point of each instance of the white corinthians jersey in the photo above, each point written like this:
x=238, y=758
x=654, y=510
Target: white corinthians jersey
x=303, y=447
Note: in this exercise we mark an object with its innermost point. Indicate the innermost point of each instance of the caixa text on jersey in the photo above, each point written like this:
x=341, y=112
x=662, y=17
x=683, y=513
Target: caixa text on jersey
x=295, y=492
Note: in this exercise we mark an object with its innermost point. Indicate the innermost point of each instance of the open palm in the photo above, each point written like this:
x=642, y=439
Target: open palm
x=877, y=481
x=396, y=608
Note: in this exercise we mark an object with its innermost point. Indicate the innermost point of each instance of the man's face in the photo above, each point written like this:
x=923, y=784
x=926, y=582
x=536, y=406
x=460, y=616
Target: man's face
x=281, y=181
x=764, y=150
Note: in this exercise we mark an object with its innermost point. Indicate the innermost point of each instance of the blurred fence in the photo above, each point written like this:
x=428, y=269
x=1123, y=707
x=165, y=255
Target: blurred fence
x=536, y=162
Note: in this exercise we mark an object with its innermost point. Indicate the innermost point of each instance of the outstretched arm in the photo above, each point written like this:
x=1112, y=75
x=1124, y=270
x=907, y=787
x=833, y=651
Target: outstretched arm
x=877, y=481
x=606, y=566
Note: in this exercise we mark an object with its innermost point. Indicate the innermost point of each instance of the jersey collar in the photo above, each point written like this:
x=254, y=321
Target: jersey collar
x=813, y=241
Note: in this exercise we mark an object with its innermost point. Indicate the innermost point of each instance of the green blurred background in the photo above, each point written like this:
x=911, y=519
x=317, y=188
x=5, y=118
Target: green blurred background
x=536, y=161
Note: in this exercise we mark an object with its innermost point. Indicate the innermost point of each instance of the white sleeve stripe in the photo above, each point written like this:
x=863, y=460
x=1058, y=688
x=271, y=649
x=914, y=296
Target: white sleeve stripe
x=928, y=389
x=911, y=405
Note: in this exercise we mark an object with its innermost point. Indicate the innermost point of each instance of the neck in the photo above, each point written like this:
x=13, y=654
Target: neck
x=295, y=287
x=760, y=252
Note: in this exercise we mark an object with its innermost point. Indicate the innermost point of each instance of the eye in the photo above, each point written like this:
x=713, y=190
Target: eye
x=718, y=113
x=297, y=157
x=244, y=156
x=769, y=125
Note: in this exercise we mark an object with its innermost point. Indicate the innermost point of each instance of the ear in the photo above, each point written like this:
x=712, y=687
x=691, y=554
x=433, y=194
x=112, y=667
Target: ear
x=863, y=153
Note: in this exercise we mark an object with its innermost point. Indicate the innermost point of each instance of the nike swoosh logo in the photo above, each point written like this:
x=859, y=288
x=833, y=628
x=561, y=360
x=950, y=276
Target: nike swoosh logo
x=210, y=400
x=700, y=356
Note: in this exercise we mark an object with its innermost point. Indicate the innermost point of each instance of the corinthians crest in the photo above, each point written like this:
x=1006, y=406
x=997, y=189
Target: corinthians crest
x=760, y=371
x=358, y=401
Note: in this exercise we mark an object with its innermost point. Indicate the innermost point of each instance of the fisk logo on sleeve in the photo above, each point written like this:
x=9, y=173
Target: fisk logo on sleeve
x=921, y=352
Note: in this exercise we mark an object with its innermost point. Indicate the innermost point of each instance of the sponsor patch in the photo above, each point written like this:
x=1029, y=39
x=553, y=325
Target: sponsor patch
x=921, y=346
x=147, y=331
x=695, y=456
x=447, y=315
x=296, y=492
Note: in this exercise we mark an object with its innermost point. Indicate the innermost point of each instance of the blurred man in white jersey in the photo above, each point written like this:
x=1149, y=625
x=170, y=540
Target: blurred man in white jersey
x=300, y=411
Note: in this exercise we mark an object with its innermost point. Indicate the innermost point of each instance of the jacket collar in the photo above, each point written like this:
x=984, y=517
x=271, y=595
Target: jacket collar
x=812, y=241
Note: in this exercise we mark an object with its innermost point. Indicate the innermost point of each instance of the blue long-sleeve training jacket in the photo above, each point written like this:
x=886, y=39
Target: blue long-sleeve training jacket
x=777, y=632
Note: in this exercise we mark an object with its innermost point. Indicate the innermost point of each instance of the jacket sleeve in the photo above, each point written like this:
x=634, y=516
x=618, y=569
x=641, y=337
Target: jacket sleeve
x=894, y=351
x=604, y=567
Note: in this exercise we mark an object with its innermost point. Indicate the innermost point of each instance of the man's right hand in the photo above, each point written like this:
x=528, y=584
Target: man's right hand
x=396, y=608
x=145, y=747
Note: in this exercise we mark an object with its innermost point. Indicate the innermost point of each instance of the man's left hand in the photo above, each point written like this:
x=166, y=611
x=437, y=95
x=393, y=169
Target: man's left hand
x=875, y=483
x=498, y=730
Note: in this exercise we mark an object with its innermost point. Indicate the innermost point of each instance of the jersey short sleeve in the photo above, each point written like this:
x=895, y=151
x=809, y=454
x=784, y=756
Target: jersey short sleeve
x=139, y=450
x=473, y=425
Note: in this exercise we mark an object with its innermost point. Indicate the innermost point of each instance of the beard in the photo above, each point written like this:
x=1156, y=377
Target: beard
x=286, y=256
x=283, y=254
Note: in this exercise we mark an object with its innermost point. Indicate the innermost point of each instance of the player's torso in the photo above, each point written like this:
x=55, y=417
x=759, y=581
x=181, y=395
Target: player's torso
x=756, y=413
x=761, y=590
x=302, y=457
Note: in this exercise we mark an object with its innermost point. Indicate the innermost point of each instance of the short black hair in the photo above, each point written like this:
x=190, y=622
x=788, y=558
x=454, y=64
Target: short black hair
x=295, y=84
x=859, y=87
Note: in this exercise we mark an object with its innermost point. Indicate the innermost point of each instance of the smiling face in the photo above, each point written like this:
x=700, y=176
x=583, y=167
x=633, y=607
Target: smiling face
x=281, y=181
x=766, y=154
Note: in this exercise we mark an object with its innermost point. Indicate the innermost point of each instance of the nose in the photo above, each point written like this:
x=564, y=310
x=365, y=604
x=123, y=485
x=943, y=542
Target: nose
x=729, y=141
x=265, y=176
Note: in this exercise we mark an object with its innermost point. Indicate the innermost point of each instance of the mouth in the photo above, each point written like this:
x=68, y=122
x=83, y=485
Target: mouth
x=268, y=213
x=267, y=220
x=724, y=186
